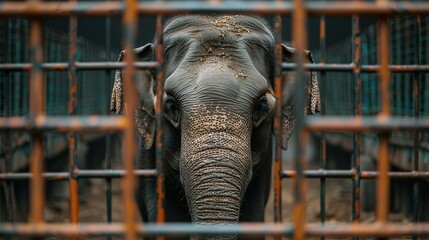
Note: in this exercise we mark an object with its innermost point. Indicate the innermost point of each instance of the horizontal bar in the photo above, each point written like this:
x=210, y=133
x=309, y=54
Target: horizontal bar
x=253, y=229
x=147, y=8
x=61, y=66
x=343, y=123
x=79, y=66
x=114, y=65
x=64, y=176
x=351, y=67
x=182, y=7
x=320, y=67
x=119, y=173
x=361, y=7
x=64, y=123
x=320, y=173
x=396, y=68
x=369, y=230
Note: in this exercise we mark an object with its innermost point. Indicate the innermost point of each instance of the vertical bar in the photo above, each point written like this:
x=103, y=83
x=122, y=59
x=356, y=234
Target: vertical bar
x=8, y=108
x=300, y=40
x=278, y=92
x=8, y=148
x=356, y=51
x=159, y=113
x=37, y=185
x=322, y=40
x=108, y=157
x=129, y=146
x=416, y=148
x=73, y=156
x=383, y=183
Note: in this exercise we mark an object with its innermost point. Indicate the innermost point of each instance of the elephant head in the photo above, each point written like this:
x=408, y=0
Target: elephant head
x=219, y=106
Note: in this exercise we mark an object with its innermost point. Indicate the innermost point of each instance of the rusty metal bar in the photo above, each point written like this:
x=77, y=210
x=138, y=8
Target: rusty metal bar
x=114, y=65
x=416, y=148
x=332, y=67
x=322, y=173
x=381, y=123
x=145, y=8
x=37, y=185
x=159, y=114
x=322, y=42
x=64, y=124
x=183, y=229
x=118, y=173
x=383, y=181
x=396, y=68
x=64, y=176
x=336, y=123
x=384, y=59
x=62, y=66
x=363, y=7
x=356, y=158
x=129, y=22
x=299, y=37
x=369, y=230
x=73, y=138
x=351, y=67
x=87, y=8
x=8, y=150
x=108, y=149
x=277, y=118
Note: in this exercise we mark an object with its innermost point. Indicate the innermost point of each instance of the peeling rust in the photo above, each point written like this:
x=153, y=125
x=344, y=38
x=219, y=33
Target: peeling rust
x=277, y=115
x=87, y=8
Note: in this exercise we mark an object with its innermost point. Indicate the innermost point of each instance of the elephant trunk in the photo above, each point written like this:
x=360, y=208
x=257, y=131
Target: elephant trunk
x=215, y=164
x=214, y=187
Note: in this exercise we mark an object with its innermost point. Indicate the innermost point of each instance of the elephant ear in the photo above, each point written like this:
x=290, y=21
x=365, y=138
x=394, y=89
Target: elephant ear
x=145, y=112
x=311, y=94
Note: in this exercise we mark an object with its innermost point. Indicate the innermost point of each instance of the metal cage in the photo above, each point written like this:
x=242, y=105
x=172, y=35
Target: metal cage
x=381, y=122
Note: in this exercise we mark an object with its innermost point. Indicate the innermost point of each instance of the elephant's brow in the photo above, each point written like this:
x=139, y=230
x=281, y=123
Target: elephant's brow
x=182, y=23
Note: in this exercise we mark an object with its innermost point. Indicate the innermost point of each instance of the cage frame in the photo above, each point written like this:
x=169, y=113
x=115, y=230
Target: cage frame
x=37, y=122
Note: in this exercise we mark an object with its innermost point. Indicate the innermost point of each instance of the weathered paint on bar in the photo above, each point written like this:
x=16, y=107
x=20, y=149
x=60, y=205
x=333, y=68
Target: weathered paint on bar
x=321, y=173
x=179, y=229
x=37, y=184
x=61, y=66
x=356, y=158
x=159, y=114
x=299, y=32
x=416, y=142
x=364, y=123
x=277, y=118
x=129, y=24
x=77, y=173
x=322, y=43
x=86, y=8
x=73, y=138
x=64, y=124
x=153, y=65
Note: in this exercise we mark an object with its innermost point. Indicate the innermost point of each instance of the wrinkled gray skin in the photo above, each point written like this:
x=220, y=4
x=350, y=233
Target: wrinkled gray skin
x=219, y=106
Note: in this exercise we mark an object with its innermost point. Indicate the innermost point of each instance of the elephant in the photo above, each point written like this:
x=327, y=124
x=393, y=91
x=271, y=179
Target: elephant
x=219, y=106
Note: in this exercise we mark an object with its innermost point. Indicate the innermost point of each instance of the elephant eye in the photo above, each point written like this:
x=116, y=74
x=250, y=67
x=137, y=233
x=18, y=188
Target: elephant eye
x=172, y=110
x=260, y=110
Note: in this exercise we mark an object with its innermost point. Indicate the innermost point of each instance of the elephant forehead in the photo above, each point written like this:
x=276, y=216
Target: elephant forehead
x=237, y=24
x=216, y=32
